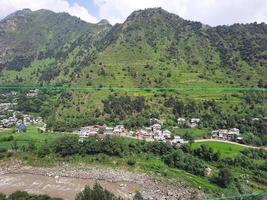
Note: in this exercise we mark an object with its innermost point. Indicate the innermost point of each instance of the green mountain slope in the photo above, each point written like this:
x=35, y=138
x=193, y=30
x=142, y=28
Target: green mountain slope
x=151, y=49
x=26, y=36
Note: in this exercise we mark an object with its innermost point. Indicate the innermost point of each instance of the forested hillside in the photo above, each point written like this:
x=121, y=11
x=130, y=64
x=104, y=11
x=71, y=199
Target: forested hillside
x=151, y=49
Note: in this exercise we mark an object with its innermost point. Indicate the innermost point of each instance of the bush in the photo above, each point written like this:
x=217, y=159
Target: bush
x=3, y=150
x=2, y=156
x=224, y=177
x=97, y=193
x=9, y=154
x=66, y=145
x=7, y=139
x=138, y=196
x=131, y=162
x=2, y=196
x=43, y=151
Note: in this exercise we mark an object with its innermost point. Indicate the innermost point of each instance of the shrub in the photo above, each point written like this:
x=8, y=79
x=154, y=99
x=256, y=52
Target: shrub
x=3, y=150
x=7, y=139
x=9, y=154
x=96, y=193
x=224, y=177
x=131, y=162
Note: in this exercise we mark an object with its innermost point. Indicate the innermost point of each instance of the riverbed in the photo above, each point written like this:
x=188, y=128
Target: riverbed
x=64, y=187
x=65, y=181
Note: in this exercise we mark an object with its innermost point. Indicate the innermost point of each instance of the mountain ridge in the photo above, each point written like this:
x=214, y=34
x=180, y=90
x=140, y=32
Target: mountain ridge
x=151, y=35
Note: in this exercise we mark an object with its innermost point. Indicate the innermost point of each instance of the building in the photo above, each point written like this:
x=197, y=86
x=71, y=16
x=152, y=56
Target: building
x=88, y=131
x=108, y=131
x=22, y=128
x=193, y=122
x=181, y=121
x=144, y=134
x=177, y=140
x=224, y=134
x=32, y=93
x=119, y=130
x=156, y=127
x=167, y=134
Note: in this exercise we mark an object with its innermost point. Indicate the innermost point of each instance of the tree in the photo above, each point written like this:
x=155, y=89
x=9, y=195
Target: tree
x=188, y=136
x=138, y=196
x=224, y=177
x=66, y=145
x=2, y=196
x=97, y=193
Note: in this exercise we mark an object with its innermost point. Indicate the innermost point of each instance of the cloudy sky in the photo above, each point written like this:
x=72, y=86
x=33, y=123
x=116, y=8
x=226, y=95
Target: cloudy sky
x=212, y=12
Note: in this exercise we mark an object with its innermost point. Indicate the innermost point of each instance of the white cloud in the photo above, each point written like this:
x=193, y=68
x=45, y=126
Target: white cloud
x=9, y=6
x=211, y=12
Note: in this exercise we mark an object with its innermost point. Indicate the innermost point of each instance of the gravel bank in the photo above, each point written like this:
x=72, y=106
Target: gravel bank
x=151, y=187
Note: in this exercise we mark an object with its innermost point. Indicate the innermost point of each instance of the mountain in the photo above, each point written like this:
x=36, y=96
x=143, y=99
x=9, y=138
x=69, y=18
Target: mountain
x=154, y=47
x=26, y=36
x=151, y=49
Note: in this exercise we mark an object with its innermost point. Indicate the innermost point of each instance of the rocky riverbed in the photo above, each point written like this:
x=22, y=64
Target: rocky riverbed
x=65, y=181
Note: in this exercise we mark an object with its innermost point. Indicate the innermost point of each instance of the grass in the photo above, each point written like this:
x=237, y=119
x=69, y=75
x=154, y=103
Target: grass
x=195, y=132
x=144, y=163
x=147, y=163
x=32, y=134
x=227, y=150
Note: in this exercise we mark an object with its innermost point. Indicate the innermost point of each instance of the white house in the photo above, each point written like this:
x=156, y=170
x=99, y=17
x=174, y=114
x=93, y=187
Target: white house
x=177, y=140
x=167, y=134
x=156, y=127
x=194, y=122
x=108, y=131
x=181, y=121
x=224, y=134
x=119, y=130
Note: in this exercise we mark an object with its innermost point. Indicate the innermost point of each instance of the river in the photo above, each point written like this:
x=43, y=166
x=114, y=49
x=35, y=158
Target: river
x=64, y=187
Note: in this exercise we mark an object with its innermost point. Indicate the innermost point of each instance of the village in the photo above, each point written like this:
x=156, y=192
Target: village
x=155, y=132
x=10, y=118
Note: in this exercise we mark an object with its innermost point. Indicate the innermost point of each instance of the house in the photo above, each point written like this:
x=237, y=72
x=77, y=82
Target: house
x=27, y=119
x=32, y=93
x=239, y=139
x=22, y=128
x=108, y=131
x=225, y=134
x=177, y=140
x=235, y=131
x=255, y=119
x=160, y=137
x=181, y=121
x=88, y=131
x=233, y=134
x=193, y=122
x=144, y=133
x=167, y=134
x=220, y=134
x=156, y=127
x=119, y=130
